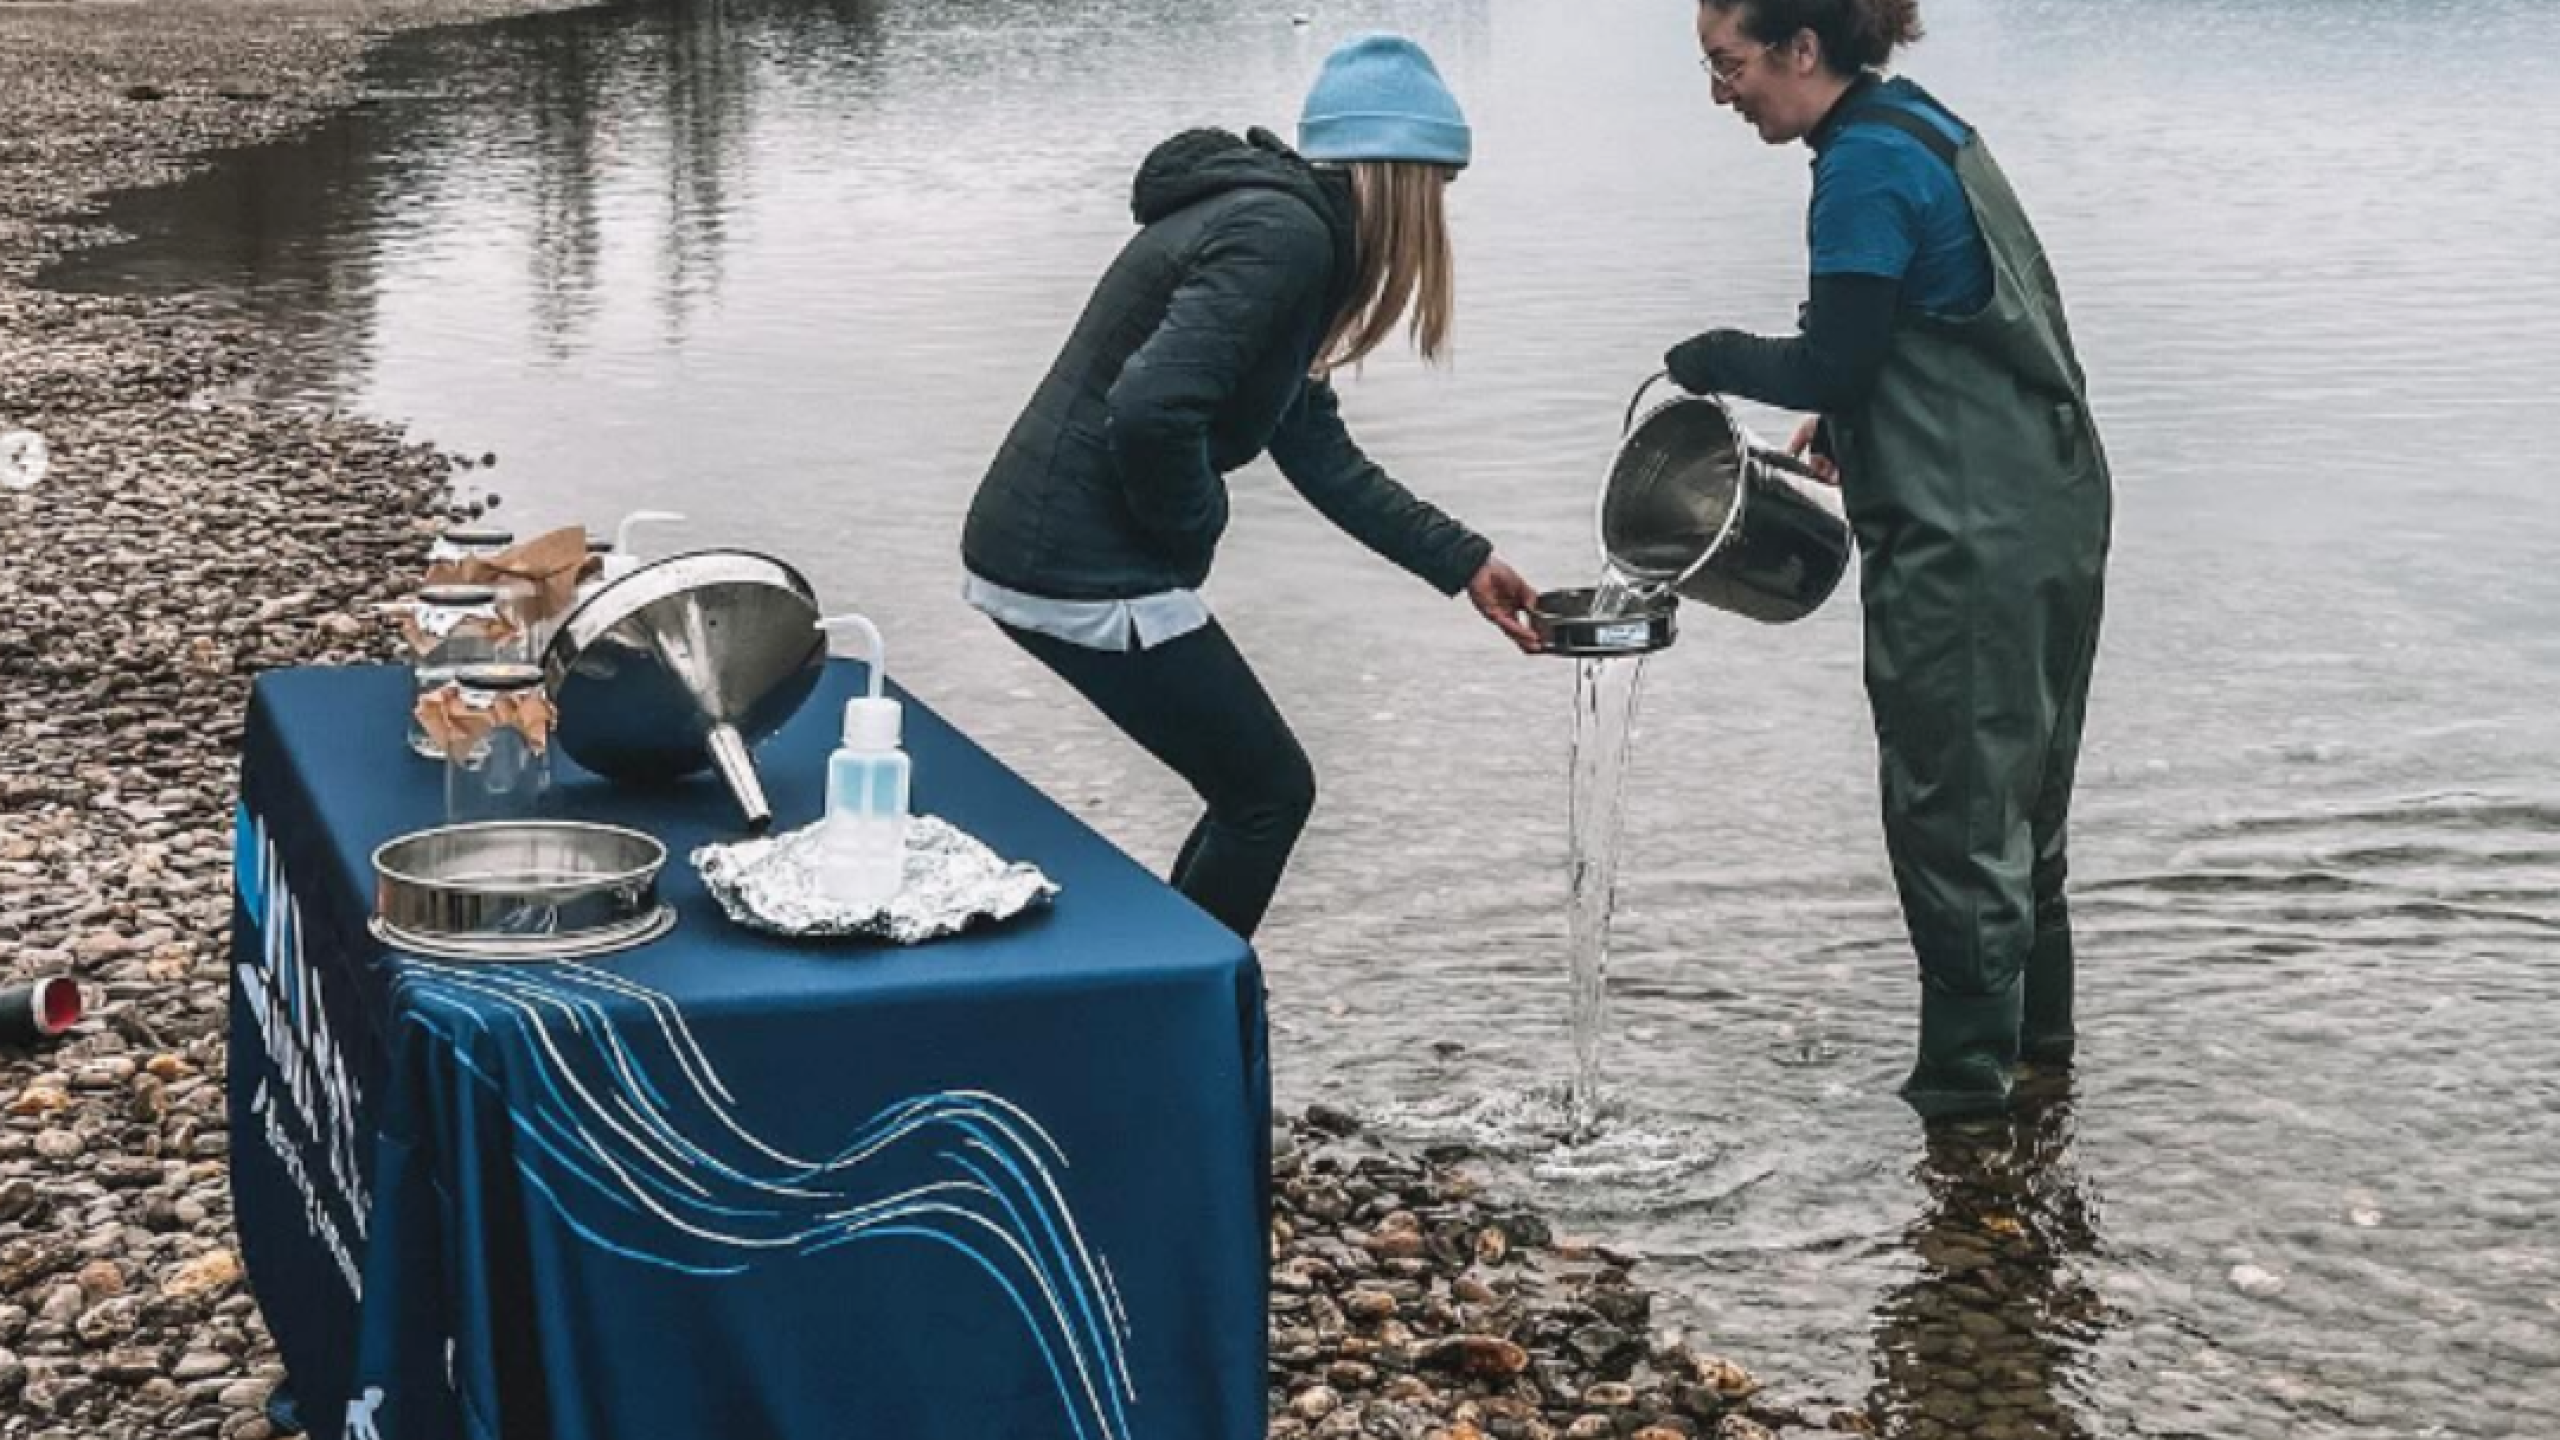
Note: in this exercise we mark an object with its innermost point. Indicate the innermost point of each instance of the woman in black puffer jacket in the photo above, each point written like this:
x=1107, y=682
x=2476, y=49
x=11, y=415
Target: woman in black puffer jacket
x=1258, y=273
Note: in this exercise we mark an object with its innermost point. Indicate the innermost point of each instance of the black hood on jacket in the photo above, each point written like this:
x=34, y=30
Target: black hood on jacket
x=1189, y=360
x=1197, y=164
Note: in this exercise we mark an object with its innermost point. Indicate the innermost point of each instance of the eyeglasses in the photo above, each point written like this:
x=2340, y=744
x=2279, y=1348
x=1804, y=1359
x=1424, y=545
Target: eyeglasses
x=1727, y=70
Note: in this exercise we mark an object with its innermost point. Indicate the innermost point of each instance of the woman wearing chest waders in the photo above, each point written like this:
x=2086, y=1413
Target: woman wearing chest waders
x=1257, y=273
x=1953, y=415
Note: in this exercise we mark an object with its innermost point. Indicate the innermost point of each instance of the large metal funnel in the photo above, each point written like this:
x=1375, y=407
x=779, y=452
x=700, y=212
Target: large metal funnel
x=686, y=662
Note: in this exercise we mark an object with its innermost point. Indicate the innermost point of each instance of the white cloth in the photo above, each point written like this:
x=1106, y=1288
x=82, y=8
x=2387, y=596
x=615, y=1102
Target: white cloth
x=1141, y=623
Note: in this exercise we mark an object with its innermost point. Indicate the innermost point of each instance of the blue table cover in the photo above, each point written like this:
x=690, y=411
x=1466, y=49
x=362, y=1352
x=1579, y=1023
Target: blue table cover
x=1009, y=1184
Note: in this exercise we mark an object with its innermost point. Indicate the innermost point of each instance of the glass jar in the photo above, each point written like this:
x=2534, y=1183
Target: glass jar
x=450, y=626
x=502, y=771
x=469, y=542
x=451, y=561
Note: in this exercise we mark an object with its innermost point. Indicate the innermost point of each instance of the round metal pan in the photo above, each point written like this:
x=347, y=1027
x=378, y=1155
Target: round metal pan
x=519, y=890
x=1564, y=621
x=527, y=950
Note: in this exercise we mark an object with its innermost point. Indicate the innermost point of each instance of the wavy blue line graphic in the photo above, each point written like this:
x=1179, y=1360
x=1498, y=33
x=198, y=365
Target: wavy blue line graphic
x=629, y=1134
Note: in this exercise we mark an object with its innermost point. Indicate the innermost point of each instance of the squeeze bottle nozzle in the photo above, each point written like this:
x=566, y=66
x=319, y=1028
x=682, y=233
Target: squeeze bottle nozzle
x=872, y=721
x=622, y=532
x=622, y=559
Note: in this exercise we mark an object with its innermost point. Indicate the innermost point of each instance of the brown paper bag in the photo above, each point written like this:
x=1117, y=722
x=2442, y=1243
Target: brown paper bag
x=537, y=580
x=457, y=726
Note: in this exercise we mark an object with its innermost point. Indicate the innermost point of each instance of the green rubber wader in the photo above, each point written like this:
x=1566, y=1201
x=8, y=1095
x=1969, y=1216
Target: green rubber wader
x=1979, y=491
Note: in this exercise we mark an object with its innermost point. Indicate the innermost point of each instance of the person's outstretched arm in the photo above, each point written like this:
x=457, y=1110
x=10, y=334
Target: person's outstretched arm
x=1314, y=449
x=1828, y=367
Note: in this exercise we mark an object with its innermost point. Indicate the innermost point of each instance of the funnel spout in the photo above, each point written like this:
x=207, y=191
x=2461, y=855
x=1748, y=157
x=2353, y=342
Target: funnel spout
x=738, y=770
x=687, y=663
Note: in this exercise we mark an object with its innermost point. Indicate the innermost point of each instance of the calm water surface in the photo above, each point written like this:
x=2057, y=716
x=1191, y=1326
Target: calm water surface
x=791, y=267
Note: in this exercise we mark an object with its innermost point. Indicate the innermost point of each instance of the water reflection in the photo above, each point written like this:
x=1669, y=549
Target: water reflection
x=602, y=154
x=707, y=96
x=1981, y=1344
x=564, y=92
x=266, y=249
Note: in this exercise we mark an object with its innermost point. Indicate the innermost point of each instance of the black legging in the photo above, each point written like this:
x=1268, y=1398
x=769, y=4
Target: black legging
x=1195, y=704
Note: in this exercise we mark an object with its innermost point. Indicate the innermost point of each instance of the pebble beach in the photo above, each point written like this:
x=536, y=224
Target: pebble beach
x=185, y=537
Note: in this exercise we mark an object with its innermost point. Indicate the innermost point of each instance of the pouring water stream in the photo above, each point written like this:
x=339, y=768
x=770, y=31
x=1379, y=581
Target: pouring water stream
x=1604, y=709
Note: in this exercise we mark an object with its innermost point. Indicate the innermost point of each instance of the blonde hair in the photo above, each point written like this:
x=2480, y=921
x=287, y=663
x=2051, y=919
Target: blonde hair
x=1402, y=261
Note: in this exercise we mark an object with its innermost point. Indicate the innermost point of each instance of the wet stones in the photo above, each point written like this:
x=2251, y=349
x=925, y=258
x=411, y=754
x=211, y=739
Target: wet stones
x=1332, y=1120
x=1476, y=1357
x=27, y=1260
x=1314, y=1403
x=1405, y=1303
x=136, y=609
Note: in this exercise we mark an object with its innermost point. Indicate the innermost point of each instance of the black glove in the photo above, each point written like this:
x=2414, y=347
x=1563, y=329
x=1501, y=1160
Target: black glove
x=1692, y=362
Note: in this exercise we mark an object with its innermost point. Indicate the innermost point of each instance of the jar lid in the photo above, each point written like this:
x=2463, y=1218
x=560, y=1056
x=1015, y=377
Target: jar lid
x=479, y=537
x=499, y=676
x=457, y=597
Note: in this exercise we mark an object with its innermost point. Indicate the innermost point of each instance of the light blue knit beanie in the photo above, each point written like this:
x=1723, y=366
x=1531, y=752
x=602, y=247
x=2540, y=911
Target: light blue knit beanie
x=1379, y=97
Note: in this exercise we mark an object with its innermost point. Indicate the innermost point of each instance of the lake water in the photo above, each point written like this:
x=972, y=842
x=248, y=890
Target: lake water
x=791, y=267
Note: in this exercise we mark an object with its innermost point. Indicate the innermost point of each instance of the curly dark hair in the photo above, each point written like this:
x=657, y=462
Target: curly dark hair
x=1855, y=34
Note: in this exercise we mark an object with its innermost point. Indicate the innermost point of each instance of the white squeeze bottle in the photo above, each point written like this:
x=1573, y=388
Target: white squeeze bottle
x=863, y=842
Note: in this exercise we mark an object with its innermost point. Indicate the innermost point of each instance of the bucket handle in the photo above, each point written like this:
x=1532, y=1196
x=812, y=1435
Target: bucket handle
x=1772, y=455
x=1627, y=426
x=1779, y=459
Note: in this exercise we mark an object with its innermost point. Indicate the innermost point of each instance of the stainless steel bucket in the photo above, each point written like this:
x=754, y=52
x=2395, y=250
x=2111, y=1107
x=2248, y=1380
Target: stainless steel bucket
x=1698, y=503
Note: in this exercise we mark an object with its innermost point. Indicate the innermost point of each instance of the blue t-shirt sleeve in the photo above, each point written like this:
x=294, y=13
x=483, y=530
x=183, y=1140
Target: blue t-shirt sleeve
x=1869, y=194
